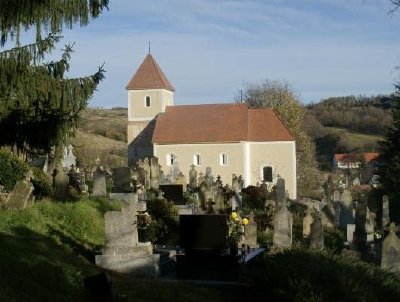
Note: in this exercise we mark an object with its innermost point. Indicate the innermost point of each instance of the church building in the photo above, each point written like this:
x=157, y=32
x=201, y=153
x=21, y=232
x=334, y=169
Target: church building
x=229, y=138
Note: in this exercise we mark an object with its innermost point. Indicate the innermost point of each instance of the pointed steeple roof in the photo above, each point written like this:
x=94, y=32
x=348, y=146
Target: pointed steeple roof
x=149, y=76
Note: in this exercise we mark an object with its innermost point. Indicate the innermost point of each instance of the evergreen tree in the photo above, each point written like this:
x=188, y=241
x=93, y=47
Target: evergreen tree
x=391, y=157
x=278, y=96
x=39, y=107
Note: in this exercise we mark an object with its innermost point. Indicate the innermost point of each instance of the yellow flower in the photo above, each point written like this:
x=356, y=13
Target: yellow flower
x=245, y=221
x=234, y=215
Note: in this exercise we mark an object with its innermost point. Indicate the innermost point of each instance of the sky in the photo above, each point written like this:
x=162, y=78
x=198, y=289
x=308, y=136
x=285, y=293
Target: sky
x=211, y=49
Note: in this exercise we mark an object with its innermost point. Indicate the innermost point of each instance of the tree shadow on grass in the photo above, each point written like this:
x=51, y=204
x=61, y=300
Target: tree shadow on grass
x=34, y=268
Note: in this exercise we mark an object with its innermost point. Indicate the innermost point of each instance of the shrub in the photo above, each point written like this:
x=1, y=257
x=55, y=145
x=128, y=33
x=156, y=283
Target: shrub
x=41, y=183
x=164, y=227
x=12, y=169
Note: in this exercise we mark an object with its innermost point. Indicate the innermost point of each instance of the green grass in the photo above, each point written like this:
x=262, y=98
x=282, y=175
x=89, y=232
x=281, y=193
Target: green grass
x=356, y=138
x=46, y=250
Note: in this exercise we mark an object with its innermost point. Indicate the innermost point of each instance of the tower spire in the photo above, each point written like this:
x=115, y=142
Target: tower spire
x=149, y=47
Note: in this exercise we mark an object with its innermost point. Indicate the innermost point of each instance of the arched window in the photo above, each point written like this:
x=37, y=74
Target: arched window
x=223, y=159
x=147, y=101
x=197, y=160
x=171, y=158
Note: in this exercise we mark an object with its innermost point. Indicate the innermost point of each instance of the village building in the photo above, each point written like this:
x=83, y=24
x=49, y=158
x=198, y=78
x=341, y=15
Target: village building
x=229, y=138
x=355, y=160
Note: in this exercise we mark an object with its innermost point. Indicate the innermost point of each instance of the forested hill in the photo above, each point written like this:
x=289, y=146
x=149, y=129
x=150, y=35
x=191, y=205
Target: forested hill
x=370, y=115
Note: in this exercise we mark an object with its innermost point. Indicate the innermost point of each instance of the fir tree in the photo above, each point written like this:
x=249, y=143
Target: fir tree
x=391, y=157
x=39, y=107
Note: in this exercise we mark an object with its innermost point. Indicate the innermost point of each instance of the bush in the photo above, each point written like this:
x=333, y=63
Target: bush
x=41, y=183
x=164, y=227
x=301, y=275
x=12, y=169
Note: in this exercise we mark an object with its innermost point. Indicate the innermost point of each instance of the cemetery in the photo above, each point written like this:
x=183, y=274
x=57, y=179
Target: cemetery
x=161, y=226
x=197, y=201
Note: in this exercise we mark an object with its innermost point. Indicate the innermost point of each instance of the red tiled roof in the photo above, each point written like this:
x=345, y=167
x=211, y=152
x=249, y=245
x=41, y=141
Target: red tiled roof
x=149, y=76
x=356, y=156
x=218, y=123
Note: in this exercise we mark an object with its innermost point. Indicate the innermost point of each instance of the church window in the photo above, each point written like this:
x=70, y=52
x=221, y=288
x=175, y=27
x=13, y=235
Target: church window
x=267, y=174
x=197, y=160
x=148, y=101
x=223, y=159
x=171, y=158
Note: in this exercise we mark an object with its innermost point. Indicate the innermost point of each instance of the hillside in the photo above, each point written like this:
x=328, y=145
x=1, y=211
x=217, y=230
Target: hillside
x=102, y=134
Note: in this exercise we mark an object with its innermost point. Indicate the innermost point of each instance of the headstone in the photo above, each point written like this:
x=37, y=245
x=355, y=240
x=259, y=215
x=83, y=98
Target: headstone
x=99, y=182
x=283, y=222
x=61, y=184
x=346, y=209
x=350, y=229
x=307, y=221
x=123, y=252
x=264, y=190
x=235, y=183
x=250, y=233
x=209, y=178
x=336, y=207
x=181, y=180
x=18, y=198
x=69, y=158
x=122, y=180
x=385, y=211
x=370, y=226
x=204, y=194
x=193, y=177
x=280, y=192
x=146, y=169
x=154, y=173
x=317, y=234
x=360, y=234
x=356, y=181
x=219, y=200
x=390, y=259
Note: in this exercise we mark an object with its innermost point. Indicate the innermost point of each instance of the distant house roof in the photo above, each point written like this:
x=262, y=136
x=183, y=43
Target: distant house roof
x=354, y=157
x=218, y=123
x=149, y=76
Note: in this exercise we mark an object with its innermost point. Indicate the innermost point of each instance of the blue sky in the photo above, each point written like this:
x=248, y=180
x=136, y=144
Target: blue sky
x=210, y=49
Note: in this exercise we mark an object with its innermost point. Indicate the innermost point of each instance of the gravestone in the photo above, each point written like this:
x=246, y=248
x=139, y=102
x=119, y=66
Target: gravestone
x=360, y=234
x=370, y=226
x=61, y=184
x=209, y=178
x=204, y=194
x=69, y=158
x=317, y=234
x=336, y=207
x=350, y=233
x=385, y=211
x=123, y=252
x=219, y=200
x=280, y=192
x=264, y=190
x=154, y=173
x=193, y=177
x=390, y=259
x=181, y=180
x=250, y=233
x=147, y=171
x=122, y=180
x=283, y=222
x=19, y=196
x=307, y=221
x=99, y=182
x=346, y=208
